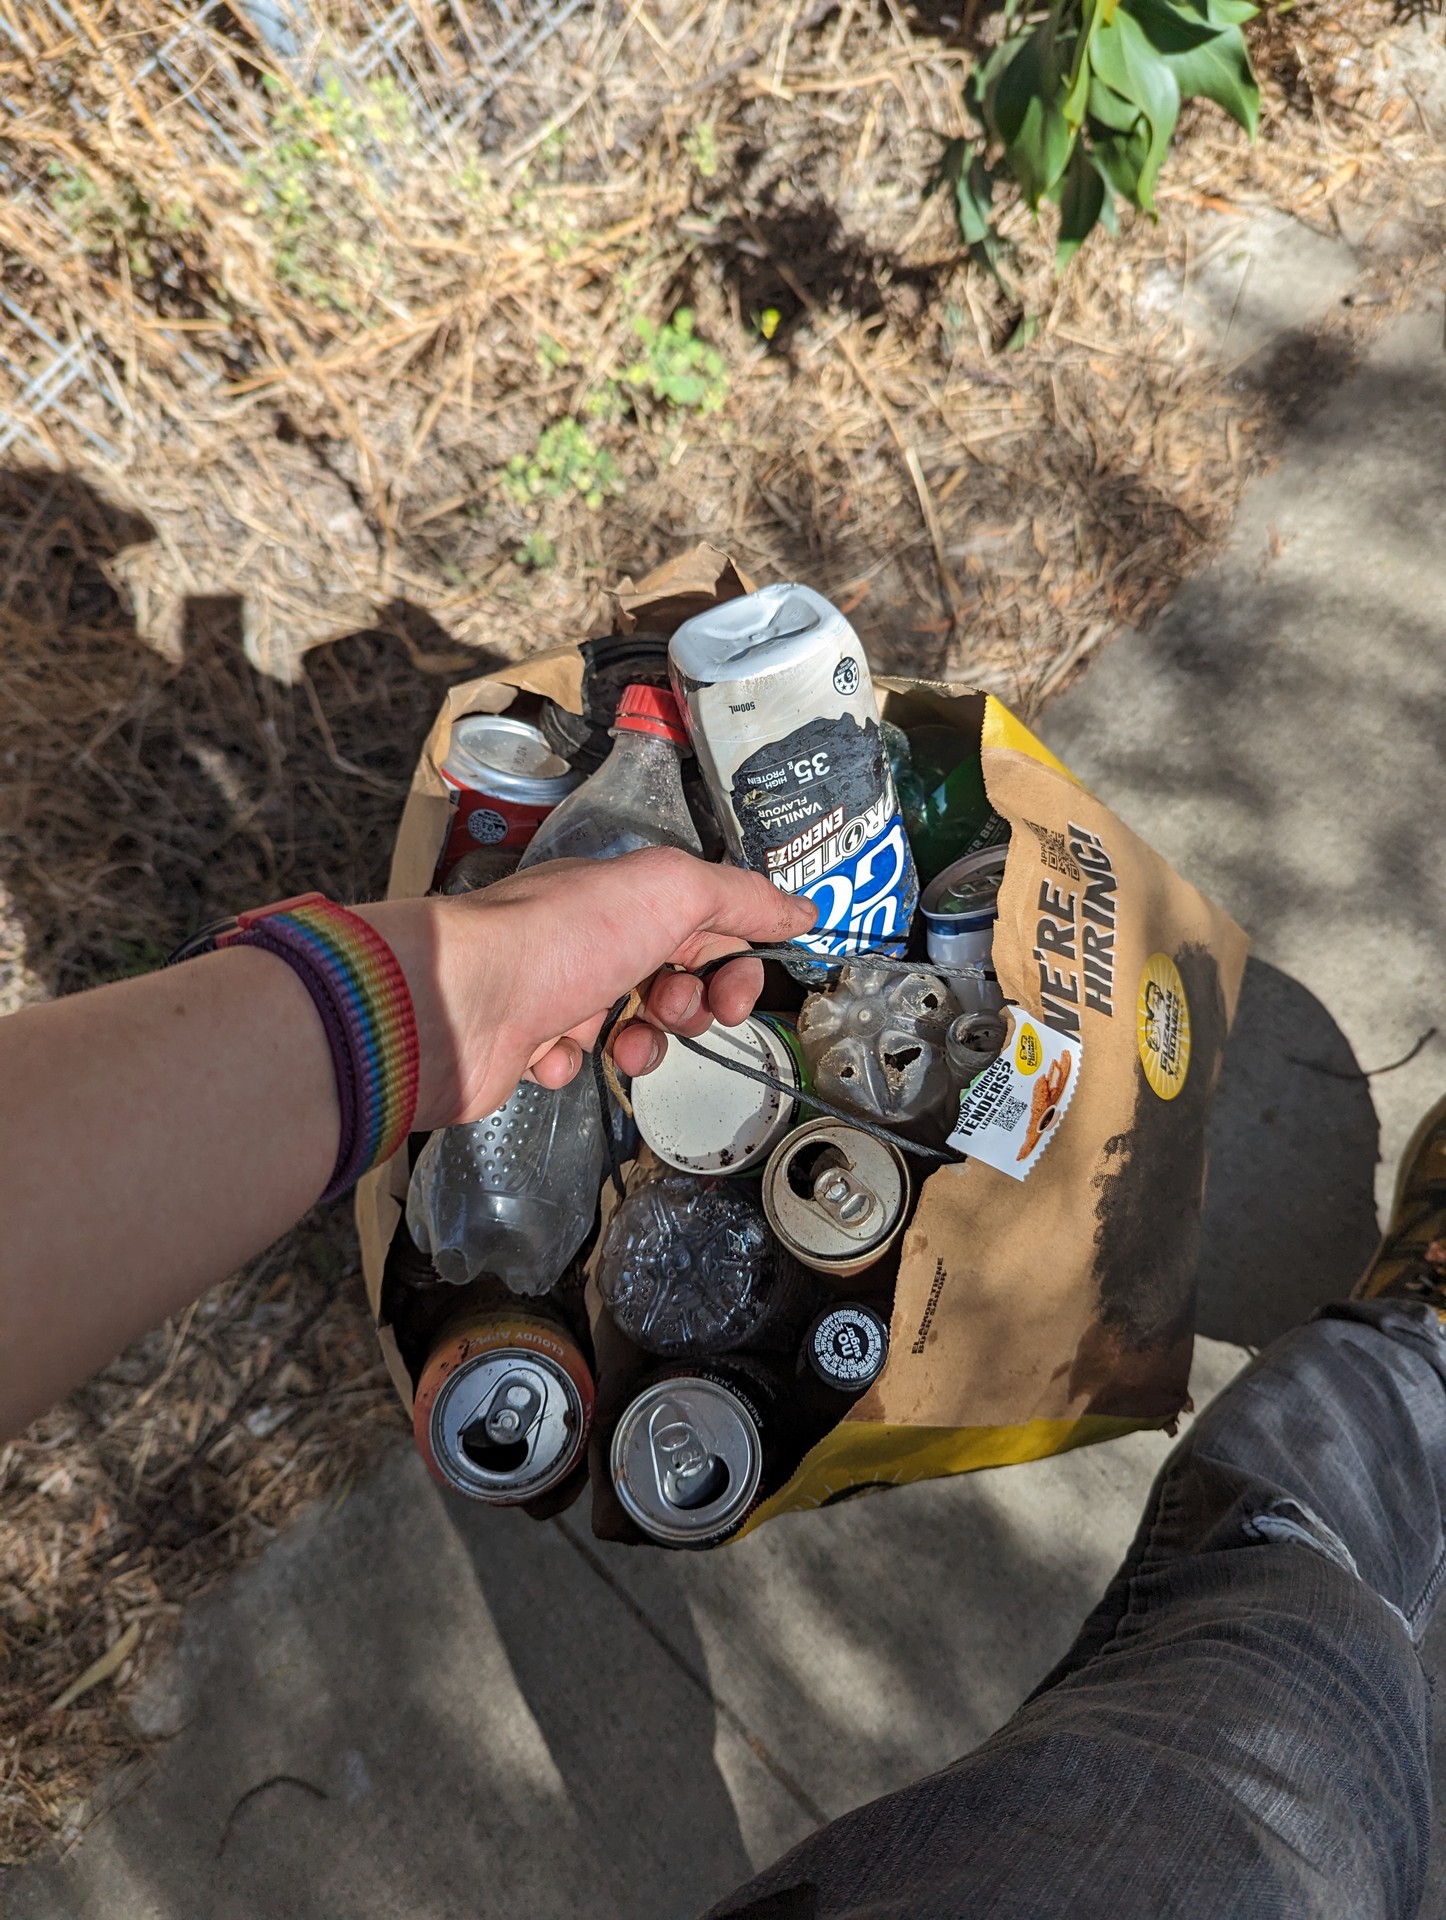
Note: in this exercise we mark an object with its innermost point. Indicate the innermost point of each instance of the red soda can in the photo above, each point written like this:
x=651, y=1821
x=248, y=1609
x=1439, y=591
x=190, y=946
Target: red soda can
x=505, y=780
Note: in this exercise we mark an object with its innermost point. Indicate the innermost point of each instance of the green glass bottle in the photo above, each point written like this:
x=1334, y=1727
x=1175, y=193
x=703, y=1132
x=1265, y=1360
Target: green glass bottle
x=941, y=792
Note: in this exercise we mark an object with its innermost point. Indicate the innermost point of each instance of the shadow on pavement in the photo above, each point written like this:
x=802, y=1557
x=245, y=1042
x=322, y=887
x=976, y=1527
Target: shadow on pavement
x=1290, y=1215
x=634, y=1746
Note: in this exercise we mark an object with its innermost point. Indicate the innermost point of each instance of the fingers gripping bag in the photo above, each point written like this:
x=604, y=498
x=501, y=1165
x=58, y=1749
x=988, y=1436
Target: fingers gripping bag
x=1045, y=1288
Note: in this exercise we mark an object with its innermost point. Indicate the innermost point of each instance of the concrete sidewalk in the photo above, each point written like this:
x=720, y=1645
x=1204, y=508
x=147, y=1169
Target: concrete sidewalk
x=415, y=1710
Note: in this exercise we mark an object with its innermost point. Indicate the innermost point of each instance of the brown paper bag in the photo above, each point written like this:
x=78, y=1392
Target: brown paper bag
x=1046, y=1288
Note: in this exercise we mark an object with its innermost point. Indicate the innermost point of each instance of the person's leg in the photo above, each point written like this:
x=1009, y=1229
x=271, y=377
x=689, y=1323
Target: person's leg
x=1242, y=1725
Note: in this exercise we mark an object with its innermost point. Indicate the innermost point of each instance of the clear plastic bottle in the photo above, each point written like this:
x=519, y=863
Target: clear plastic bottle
x=688, y=1269
x=635, y=799
x=874, y=1043
x=513, y=1195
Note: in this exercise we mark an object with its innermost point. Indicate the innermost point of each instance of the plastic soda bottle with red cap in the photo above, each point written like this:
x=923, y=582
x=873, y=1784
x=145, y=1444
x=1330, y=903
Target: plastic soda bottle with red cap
x=635, y=799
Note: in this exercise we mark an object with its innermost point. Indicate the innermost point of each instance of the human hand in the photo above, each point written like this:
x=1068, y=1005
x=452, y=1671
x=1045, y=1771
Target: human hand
x=519, y=978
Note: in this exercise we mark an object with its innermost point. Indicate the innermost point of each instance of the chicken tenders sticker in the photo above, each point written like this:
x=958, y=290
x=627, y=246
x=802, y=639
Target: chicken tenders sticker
x=1008, y=1116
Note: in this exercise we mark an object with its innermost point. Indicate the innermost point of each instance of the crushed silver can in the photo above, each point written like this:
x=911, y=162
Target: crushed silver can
x=690, y=1454
x=503, y=1407
x=961, y=908
x=835, y=1197
x=782, y=716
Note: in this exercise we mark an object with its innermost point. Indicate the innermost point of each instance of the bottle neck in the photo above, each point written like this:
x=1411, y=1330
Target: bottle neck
x=628, y=745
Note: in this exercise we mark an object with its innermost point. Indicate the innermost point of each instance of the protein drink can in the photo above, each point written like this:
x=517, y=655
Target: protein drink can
x=702, y=1117
x=692, y=1452
x=781, y=712
x=835, y=1197
x=503, y=1407
x=505, y=780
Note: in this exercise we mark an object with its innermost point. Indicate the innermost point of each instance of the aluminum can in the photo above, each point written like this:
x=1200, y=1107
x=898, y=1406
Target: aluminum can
x=846, y=1347
x=691, y=1454
x=961, y=908
x=505, y=779
x=700, y=1117
x=836, y=1198
x=503, y=1407
x=782, y=715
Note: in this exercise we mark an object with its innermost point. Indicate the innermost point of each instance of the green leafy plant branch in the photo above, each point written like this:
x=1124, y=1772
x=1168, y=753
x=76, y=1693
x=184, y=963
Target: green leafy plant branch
x=1079, y=105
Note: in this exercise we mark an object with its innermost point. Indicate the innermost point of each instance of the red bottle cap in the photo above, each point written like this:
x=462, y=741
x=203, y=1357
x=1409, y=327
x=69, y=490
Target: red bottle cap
x=651, y=710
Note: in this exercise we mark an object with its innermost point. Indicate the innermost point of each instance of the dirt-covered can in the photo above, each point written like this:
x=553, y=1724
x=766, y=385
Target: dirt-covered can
x=836, y=1197
x=504, y=780
x=961, y=909
x=503, y=1407
x=783, y=720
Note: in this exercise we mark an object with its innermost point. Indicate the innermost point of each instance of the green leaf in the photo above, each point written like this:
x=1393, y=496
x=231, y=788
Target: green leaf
x=1207, y=60
x=1119, y=140
x=1127, y=62
x=1080, y=205
x=961, y=168
x=1077, y=93
x=1226, y=13
x=1110, y=110
x=1027, y=114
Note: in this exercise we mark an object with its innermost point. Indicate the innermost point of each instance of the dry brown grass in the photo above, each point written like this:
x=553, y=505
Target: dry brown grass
x=309, y=421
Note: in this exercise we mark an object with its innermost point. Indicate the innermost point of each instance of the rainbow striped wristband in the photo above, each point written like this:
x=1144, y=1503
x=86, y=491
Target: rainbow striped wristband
x=361, y=994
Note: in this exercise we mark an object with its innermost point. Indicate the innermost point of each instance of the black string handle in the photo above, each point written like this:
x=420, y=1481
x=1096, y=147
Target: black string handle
x=789, y=955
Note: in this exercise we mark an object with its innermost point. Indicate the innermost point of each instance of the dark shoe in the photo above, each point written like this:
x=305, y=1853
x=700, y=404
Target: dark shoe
x=1410, y=1263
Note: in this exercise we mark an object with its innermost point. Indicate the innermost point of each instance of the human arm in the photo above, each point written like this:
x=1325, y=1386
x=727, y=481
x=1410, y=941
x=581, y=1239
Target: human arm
x=160, y=1131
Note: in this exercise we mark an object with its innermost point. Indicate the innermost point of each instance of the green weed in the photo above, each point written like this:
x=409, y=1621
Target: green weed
x=305, y=189
x=537, y=552
x=701, y=150
x=118, y=219
x=564, y=463
x=676, y=366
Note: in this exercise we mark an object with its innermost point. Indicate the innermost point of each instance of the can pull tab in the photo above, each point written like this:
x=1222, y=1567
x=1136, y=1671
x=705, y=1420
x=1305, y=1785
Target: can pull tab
x=841, y=1196
x=689, y=1473
x=514, y=1410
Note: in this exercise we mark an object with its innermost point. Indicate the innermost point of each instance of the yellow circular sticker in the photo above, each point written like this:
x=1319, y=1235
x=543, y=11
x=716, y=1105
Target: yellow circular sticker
x=1027, y=1050
x=1162, y=1026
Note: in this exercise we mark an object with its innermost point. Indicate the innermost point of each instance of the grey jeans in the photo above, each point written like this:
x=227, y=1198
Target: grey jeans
x=1242, y=1727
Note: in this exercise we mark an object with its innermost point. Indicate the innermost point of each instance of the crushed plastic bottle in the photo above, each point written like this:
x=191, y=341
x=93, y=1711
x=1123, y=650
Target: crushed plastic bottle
x=635, y=799
x=689, y=1269
x=513, y=1195
x=874, y=1043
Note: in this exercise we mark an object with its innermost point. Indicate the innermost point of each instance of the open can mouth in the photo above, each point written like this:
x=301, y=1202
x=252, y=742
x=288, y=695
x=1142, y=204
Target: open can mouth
x=964, y=898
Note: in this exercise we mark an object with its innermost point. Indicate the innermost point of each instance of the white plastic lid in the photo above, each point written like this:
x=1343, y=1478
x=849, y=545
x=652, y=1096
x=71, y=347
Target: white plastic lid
x=699, y=1117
